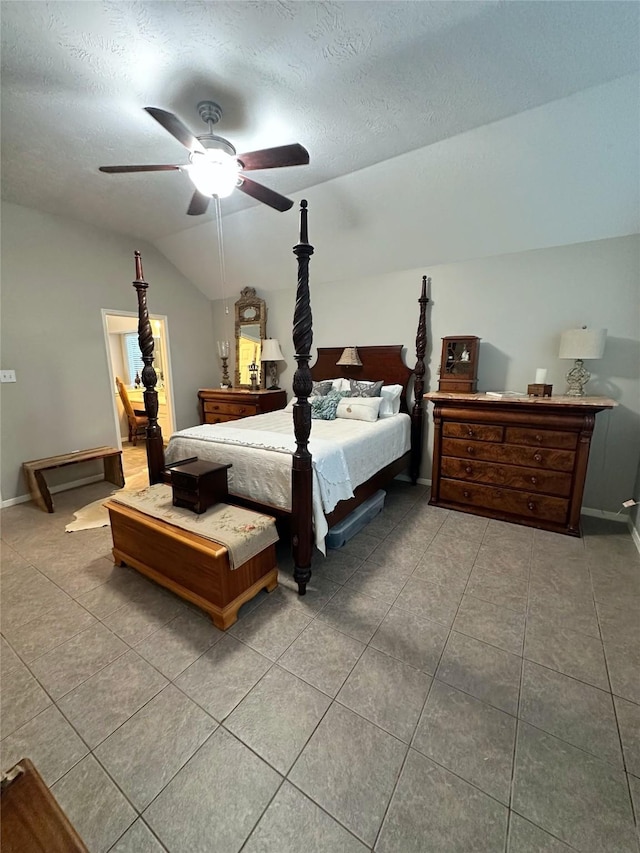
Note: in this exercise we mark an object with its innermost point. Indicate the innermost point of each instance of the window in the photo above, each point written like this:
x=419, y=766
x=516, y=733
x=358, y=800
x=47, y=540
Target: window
x=133, y=356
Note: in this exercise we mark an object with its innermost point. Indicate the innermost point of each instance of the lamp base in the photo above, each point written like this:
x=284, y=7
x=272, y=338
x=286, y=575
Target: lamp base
x=577, y=378
x=272, y=375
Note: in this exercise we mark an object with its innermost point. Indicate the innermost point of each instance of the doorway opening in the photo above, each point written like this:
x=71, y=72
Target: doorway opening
x=125, y=362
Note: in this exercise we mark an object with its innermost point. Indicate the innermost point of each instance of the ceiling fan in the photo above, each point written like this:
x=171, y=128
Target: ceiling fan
x=214, y=167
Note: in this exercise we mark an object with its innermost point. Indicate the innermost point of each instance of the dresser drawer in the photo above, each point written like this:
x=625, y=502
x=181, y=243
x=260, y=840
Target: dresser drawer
x=516, y=477
x=512, y=454
x=475, y=432
x=236, y=409
x=519, y=503
x=541, y=437
x=211, y=418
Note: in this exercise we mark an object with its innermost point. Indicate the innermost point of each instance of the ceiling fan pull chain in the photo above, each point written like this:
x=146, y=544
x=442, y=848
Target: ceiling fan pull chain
x=223, y=271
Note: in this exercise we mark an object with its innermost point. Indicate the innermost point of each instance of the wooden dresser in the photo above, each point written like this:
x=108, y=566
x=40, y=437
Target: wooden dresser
x=519, y=459
x=218, y=405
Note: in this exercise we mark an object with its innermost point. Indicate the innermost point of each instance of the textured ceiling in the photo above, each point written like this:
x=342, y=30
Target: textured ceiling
x=355, y=82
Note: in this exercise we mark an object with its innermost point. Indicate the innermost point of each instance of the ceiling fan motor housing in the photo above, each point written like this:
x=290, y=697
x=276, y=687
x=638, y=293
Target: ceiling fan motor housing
x=211, y=141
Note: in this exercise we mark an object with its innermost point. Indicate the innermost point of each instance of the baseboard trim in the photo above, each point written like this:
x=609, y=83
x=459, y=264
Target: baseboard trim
x=603, y=513
x=635, y=535
x=407, y=479
x=63, y=487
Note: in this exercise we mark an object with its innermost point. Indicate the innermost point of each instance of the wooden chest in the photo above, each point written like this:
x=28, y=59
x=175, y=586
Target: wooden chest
x=515, y=459
x=199, y=485
x=218, y=405
x=191, y=566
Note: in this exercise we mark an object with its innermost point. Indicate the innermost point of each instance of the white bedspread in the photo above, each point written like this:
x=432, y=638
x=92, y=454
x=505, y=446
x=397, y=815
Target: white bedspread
x=345, y=453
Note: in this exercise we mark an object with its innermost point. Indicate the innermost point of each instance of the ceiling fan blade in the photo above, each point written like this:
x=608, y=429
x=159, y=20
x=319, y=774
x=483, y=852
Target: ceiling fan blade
x=199, y=204
x=272, y=158
x=264, y=194
x=176, y=128
x=112, y=170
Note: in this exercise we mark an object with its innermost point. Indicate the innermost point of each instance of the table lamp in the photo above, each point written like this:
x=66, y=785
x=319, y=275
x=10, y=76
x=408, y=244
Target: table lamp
x=581, y=344
x=271, y=355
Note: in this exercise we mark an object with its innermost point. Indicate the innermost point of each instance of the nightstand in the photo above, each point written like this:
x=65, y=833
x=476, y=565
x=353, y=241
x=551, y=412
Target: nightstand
x=218, y=405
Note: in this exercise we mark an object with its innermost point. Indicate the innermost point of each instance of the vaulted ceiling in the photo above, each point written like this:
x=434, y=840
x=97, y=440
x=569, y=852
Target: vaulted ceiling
x=356, y=83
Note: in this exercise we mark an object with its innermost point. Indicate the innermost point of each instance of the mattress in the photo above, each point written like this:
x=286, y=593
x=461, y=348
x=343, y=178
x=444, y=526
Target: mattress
x=345, y=454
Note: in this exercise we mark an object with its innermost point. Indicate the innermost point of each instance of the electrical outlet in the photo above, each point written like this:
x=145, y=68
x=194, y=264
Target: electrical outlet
x=7, y=376
x=629, y=503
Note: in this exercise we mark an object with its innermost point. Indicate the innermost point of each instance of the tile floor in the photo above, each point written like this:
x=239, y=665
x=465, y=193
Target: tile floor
x=447, y=685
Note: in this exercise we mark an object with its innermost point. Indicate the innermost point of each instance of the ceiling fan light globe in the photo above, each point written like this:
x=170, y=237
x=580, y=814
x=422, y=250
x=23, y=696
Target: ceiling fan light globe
x=214, y=173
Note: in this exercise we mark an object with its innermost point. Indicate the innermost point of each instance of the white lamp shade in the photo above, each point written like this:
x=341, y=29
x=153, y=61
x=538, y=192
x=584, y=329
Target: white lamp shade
x=583, y=343
x=349, y=358
x=271, y=350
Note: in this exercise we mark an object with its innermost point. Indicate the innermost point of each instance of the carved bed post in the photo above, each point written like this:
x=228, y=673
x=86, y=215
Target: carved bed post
x=155, y=447
x=418, y=389
x=301, y=472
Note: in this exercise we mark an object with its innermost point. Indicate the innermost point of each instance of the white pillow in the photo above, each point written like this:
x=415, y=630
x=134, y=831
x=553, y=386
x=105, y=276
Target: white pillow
x=359, y=408
x=341, y=385
x=289, y=406
x=390, y=396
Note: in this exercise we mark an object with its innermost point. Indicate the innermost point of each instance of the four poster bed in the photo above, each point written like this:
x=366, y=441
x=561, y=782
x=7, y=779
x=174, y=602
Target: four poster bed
x=351, y=461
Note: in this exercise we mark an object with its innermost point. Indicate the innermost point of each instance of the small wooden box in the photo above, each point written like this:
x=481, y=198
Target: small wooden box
x=539, y=390
x=199, y=485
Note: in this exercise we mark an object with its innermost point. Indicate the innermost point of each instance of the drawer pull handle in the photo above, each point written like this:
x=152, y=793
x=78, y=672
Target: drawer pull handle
x=531, y=506
x=466, y=494
x=534, y=480
x=469, y=432
x=538, y=457
x=469, y=469
x=538, y=438
x=470, y=450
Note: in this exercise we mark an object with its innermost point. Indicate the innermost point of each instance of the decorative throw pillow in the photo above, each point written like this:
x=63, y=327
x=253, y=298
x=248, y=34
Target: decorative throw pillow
x=365, y=389
x=341, y=384
x=324, y=408
x=321, y=389
x=390, y=404
x=359, y=408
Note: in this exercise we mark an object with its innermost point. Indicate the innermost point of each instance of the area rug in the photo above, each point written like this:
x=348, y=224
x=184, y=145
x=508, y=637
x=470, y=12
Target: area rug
x=94, y=514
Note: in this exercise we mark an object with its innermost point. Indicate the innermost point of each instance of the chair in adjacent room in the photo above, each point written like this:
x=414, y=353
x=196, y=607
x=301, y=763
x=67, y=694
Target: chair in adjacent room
x=138, y=420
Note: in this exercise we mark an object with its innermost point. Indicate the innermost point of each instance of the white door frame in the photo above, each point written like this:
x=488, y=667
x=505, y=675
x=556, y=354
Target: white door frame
x=166, y=368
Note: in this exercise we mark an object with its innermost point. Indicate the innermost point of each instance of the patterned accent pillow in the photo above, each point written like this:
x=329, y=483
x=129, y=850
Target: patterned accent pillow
x=321, y=389
x=324, y=408
x=365, y=389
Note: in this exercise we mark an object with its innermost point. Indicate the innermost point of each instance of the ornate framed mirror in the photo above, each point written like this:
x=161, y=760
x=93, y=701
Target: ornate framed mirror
x=251, y=330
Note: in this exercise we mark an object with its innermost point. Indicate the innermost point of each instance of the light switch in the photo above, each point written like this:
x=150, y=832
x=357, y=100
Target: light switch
x=7, y=376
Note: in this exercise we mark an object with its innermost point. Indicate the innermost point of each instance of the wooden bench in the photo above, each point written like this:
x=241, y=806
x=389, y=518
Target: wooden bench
x=34, y=471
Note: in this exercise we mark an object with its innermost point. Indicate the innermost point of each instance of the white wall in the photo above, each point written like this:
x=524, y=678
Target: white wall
x=57, y=276
x=518, y=304
x=566, y=172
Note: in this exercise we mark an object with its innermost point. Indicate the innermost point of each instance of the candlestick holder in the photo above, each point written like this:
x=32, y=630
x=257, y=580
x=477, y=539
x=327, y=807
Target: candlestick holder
x=253, y=375
x=223, y=352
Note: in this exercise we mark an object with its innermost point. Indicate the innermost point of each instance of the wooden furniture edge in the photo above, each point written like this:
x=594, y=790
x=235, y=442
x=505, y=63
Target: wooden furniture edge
x=40, y=819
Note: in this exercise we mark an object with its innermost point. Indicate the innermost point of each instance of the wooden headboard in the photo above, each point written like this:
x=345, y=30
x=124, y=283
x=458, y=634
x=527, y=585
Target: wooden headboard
x=377, y=363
